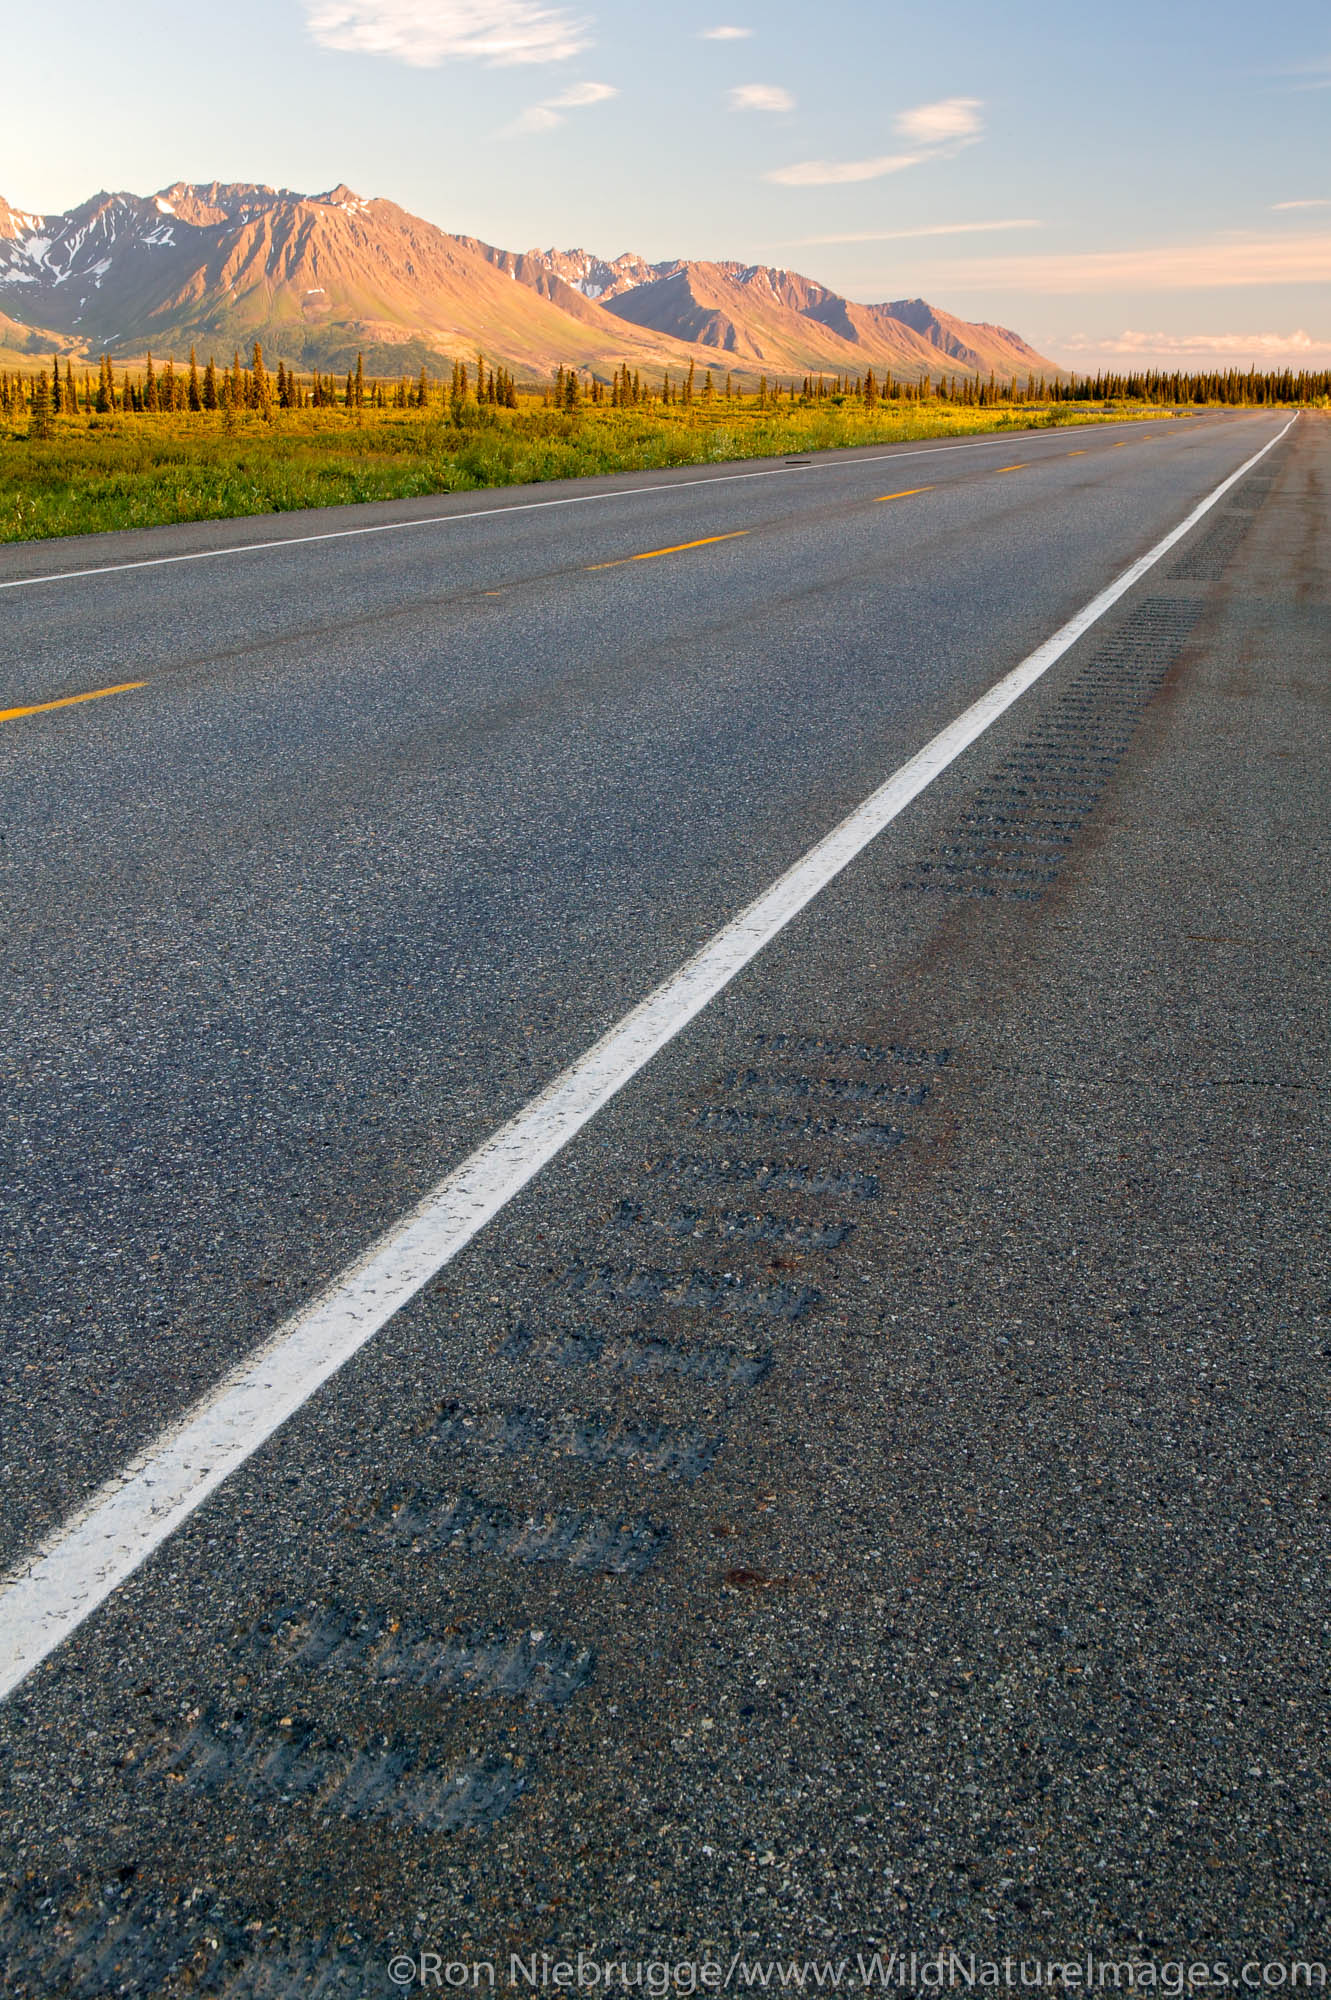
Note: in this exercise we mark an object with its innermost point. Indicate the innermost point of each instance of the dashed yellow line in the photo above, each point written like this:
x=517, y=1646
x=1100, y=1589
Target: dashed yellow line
x=905, y=494
x=1025, y=466
x=69, y=700
x=678, y=549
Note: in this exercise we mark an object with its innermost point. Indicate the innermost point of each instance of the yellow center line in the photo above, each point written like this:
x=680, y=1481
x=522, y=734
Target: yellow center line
x=1074, y=454
x=68, y=700
x=1025, y=466
x=906, y=493
x=650, y=555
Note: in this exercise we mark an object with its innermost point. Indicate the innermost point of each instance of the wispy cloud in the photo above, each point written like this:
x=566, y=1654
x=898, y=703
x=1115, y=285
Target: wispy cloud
x=937, y=131
x=1298, y=345
x=725, y=34
x=549, y=113
x=761, y=97
x=1319, y=201
x=1288, y=260
x=585, y=93
x=1314, y=75
x=939, y=124
x=835, y=173
x=930, y=229
x=426, y=32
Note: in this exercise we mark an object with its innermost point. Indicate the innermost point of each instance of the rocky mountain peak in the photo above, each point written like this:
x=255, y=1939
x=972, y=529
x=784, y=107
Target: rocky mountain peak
x=223, y=263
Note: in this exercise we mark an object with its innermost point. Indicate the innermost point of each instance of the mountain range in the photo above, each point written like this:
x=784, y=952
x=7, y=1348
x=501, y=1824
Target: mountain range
x=320, y=278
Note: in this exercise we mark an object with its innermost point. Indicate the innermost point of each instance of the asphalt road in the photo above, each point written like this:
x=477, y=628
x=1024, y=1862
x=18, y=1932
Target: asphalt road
x=872, y=1485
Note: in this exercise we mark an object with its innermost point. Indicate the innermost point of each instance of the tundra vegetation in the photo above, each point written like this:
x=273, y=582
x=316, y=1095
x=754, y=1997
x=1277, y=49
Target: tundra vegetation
x=81, y=453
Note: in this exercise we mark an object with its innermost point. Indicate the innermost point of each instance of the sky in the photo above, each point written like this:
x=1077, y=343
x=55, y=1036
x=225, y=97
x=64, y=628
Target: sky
x=1148, y=183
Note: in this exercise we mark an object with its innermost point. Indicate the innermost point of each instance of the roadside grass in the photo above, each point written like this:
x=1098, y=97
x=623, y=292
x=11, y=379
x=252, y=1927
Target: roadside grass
x=113, y=472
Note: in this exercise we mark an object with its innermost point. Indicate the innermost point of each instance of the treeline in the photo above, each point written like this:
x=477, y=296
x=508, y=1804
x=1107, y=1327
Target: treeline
x=627, y=390
x=252, y=387
x=1235, y=386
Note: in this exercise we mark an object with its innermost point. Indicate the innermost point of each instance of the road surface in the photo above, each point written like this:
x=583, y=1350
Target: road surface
x=869, y=1486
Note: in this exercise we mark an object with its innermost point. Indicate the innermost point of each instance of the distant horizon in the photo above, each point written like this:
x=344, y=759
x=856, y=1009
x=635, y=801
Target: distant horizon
x=1127, y=352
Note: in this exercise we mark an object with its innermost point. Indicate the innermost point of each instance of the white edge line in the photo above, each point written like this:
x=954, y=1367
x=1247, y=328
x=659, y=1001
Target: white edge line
x=77, y=1567
x=823, y=464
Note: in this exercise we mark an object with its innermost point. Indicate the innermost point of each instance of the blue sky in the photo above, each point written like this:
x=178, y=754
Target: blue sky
x=1149, y=181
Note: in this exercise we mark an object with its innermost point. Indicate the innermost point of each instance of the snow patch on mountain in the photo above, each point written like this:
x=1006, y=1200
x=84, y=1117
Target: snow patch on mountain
x=595, y=277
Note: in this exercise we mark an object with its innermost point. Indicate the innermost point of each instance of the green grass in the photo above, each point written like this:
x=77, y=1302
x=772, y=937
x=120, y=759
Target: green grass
x=99, y=473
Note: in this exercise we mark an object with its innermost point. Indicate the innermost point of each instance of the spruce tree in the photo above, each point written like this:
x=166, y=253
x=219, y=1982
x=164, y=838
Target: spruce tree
x=262, y=388
x=39, y=422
